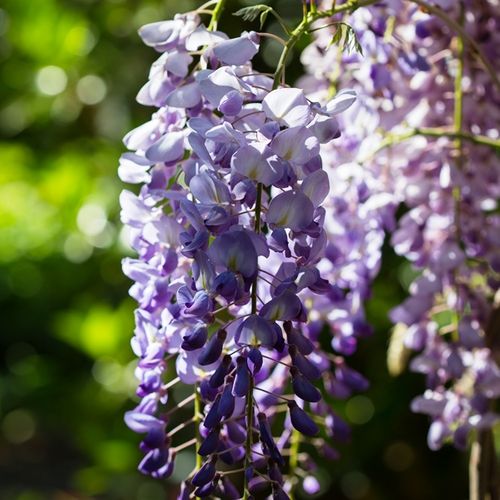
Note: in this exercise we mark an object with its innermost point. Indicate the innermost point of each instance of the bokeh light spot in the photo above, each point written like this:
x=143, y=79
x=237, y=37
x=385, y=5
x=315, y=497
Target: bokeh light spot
x=91, y=219
x=18, y=426
x=51, y=80
x=80, y=40
x=77, y=249
x=14, y=118
x=91, y=89
x=359, y=409
x=355, y=485
x=91, y=480
x=399, y=456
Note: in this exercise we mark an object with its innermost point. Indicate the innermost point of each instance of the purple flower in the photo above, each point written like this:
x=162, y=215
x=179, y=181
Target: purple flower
x=258, y=163
x=212, y=351
x=288, y=107
x=242, y=378
x=206, y=473
x=290, y=210
x=301, y=420
x=228, y=226
x=255, y=329
x=237, y=50
x=303, y=388
x=235, y=251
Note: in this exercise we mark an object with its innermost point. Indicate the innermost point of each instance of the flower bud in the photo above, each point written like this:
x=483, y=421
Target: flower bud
x=212, y=351
x=301, y=420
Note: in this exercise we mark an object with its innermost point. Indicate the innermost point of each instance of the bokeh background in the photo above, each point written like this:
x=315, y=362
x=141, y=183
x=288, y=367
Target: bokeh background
x=69, y=72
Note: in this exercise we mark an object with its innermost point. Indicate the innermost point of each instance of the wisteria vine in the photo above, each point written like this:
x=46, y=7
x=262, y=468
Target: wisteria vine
x=228, y=227
x=260, y=219
x=422, y=134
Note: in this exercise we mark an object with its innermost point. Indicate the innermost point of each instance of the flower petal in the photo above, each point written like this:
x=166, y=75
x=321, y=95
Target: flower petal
x=287, y=106
x=290, y=209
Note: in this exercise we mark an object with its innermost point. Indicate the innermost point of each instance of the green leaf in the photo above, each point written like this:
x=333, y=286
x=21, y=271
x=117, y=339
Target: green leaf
x=263, y=18
x=251, y=13
x=346, y=39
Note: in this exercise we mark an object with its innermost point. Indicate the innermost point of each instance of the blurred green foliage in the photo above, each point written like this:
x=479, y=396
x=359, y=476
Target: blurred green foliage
x=69, y=71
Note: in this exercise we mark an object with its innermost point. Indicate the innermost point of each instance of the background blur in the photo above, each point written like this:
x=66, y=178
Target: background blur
x=69, y=72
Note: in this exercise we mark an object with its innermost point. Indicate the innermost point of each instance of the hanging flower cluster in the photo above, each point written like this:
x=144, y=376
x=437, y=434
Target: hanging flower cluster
x=361, y=204
x=257, y=223
x=423, y=133
x=228, y=228
x=451, y=186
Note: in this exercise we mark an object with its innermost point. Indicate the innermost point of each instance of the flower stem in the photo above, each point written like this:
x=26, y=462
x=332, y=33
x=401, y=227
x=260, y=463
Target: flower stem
x=294, y=37
x=216, y=14
x=459, y=93
x=249, y=440
x=185, y=445
x=197, y=420
x=458, y=106
x=303, y=27
x=437, y=132
x=180, y=405
x=249, y=398
x=294, y=454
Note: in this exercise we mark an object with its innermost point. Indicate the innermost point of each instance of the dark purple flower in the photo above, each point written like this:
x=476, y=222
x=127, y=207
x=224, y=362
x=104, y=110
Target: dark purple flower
x=217, y=378
x=296, y=338
x=210, y=444
x=206, y=473
x=303, y=364
x=242, y=378
x=255, y=358
x=267, y=440
x=213, y=416
x=226, y=404
x=158, y=463
x=286, y=307
x=303, y=388
x=195, y=339
x=255, y=329
x=235, y=251
x=212, y=351
x=301, y=420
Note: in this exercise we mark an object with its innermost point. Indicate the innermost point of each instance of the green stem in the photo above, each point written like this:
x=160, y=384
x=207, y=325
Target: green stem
x=303, y=27
x=350, y=6
x=458, y=113
x=216, y=14
x=294, y=37
x=258, y=212
x=458, y=106
x=197, y=421
x=459, y=93
x=249, y=440
x=394, y=139
x=294, y=454
x=249, y=398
